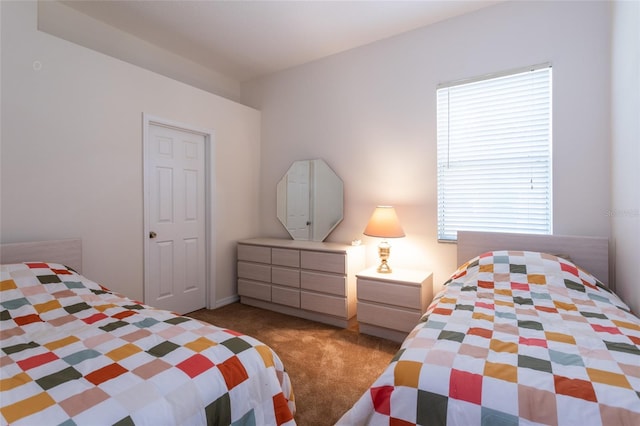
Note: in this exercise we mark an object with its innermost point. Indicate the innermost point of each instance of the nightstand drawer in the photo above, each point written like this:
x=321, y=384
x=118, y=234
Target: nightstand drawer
x=387, y=317
x=254, y=289
x=323, y=303
x=285, y=257
x=319, y=261
x=325, y=283
x=285, y=276
x=254, y=253
x=390, y=293
x=285, y=296
x=254, y=271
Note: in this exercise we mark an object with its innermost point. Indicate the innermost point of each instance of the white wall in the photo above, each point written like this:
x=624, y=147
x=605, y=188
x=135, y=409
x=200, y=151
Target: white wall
x=72, y=152
x=370, y=113
x=65, y=22
x=625, y=111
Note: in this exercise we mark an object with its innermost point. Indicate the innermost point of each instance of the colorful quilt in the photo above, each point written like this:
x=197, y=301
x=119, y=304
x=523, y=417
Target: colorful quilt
x=513, y=338
x=74, y=353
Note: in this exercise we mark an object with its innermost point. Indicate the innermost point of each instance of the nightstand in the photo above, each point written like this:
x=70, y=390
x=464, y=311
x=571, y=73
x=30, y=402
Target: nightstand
x=390, y=305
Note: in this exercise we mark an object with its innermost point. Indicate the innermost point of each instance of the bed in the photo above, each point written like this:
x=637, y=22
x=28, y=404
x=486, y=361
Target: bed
x=75, y=353
x=518, y=335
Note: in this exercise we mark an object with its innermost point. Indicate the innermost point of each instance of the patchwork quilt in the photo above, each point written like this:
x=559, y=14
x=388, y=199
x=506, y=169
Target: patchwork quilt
x=74, y=353
x=513, y=338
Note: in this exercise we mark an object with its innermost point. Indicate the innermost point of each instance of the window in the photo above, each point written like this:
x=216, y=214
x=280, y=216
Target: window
x=494, y=154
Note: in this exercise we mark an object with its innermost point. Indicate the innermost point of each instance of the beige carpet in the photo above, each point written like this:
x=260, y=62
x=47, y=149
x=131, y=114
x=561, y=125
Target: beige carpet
x=330, y=368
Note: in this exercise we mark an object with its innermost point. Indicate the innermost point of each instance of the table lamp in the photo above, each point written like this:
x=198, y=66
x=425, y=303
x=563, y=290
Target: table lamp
x=384, y=224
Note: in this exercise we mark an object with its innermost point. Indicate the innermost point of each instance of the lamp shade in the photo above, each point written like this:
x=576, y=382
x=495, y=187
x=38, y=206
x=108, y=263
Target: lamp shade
x=384, y=223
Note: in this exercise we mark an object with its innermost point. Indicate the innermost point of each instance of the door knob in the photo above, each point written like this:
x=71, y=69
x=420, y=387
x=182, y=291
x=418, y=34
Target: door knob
x=152, y=234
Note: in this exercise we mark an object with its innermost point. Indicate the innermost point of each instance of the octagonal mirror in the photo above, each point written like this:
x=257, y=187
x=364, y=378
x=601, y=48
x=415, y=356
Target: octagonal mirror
x=310, y=200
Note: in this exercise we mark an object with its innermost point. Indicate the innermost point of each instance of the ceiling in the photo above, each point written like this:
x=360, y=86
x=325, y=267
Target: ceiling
x=247, y=39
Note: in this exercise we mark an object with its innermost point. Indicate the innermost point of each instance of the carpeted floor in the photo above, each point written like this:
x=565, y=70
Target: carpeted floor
x=330, y=367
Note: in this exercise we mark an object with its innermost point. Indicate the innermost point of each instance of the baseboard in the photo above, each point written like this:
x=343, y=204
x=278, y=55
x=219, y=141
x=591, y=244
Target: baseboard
x=226, y=301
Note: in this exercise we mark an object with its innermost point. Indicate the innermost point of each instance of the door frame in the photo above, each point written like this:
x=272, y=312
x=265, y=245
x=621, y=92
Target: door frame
x=209, y=149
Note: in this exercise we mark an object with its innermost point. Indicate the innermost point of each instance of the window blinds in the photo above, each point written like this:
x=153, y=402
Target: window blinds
x=494, y=154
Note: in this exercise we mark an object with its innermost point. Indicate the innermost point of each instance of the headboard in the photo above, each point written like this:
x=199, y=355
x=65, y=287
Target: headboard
x=590, y=253
x=67, y=252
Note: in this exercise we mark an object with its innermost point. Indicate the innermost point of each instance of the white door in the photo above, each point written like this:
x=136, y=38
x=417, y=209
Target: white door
x=175, y=264
x=298, y=197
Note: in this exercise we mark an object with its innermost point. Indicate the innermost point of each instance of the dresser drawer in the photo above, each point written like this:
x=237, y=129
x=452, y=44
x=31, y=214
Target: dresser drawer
x=323, y=303
x=388, y=317
x=254, y=289
x=390, y=294
x=285, y=257
x=254, y=271
x=324, y=283
x=320, y=261
x=285, y=276
x=285, y=296
x=254, y=253
x=311, y=279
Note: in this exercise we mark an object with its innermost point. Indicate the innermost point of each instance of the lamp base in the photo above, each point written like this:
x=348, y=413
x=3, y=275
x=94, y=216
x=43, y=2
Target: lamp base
x=384, y=268
x=384, y=249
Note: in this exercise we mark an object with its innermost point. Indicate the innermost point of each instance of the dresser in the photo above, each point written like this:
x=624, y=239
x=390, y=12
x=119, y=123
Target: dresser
x=308, y=279
x=390, y=305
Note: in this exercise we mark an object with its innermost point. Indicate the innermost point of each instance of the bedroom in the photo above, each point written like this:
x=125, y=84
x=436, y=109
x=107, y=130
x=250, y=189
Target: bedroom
x=374, y=99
